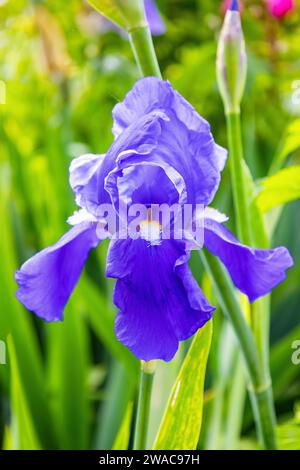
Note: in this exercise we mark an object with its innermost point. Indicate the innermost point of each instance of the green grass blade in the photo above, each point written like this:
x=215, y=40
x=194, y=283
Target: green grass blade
x=181, y=424
x=68, y=376
x=123, y=436
x=280, y=188
x=25, y=434
x=15, y=321
x=119, y=392
x=290, y=143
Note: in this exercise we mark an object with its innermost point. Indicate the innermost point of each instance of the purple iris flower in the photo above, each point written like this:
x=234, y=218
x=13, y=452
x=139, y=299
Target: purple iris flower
x=156, y=23
x=163, y=152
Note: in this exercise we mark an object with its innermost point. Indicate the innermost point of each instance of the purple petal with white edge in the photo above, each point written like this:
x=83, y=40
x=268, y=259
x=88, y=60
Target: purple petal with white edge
x=156, y=23
x=255, y=272
x=134, y=180
x=187, y=157
x=140, y=138
x=171, y=136
x=84, y=173
x=160, y=302
x=185, y=141
x=47, y=280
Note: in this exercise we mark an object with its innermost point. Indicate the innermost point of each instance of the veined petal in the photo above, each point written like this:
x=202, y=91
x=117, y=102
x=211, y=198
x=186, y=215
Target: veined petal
x=160, y=303
x=140, y=138
x=81, y=216
x=149, y=94
x=159, y=127
x=84, y=172
x=135, y=180
x=185, y=141
x=255, y=272
x=47, y=280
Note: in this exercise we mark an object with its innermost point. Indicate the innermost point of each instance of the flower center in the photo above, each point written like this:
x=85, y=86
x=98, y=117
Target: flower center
x=150, y=230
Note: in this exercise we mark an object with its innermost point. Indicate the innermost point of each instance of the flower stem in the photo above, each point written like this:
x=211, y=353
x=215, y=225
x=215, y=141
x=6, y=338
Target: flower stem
x=260, y=391
x=144, y=53
x=232, y=309
x=260, y=310
x=237, y=177
x=143, y=410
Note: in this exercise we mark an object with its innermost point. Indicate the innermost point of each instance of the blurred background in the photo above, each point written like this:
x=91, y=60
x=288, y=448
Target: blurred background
x=71, y=385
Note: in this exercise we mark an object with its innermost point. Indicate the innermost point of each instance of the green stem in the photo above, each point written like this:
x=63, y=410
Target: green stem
x=144, y=53
x=236, y=404
x=264, y=415
x=231, y=307
x=143, y=410
x=237, y=177
x=260, y=390
x=260, y=310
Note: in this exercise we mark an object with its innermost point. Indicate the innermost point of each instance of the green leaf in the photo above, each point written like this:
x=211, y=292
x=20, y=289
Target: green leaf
x=110, y=10
x=289, y=144
x=68, y=359
x=119, y=391
x=281, y=355
x=127, y=14
x=181, y=424
x=163, y=381
x=288, y=433
x=25, y=435
x=279, y=189
x=123, y=436
x=19, y=324
x=8, y=443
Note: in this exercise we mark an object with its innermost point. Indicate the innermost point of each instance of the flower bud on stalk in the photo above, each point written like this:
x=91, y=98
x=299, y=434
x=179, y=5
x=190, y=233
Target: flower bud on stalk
x=232, y=60
x=130, y=16
x=127, y=14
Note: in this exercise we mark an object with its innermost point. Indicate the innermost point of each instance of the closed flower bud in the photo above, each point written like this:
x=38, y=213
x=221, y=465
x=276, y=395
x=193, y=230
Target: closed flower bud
x=232, y=60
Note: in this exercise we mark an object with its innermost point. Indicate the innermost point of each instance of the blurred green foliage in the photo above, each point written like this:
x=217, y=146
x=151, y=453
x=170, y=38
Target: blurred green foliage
x=71, y=385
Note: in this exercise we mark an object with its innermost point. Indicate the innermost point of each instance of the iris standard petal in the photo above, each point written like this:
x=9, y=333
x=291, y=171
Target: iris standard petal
x=255, y=272
x=84, y=173
x=160, y=303
x=47, y=280
x=185, y=141
x=141, y=138
x=149, y=94
x=184, y=156
x=155, y=122
x=135, y=180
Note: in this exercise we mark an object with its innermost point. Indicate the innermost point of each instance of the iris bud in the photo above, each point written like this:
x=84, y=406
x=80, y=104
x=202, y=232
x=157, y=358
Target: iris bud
x=232, y=60
x=127, y=14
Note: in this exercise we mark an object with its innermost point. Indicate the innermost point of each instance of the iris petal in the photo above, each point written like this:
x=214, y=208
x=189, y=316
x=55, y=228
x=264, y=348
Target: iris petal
x=254, y=272
x=184, y=142
x=84, y=173
x=47, y=280
x=156, y=23
x=160, y=303
x=149, y=94
x=158, y=123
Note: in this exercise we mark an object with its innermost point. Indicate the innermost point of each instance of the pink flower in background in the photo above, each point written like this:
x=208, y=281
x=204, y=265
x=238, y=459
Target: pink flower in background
x=279, y=8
